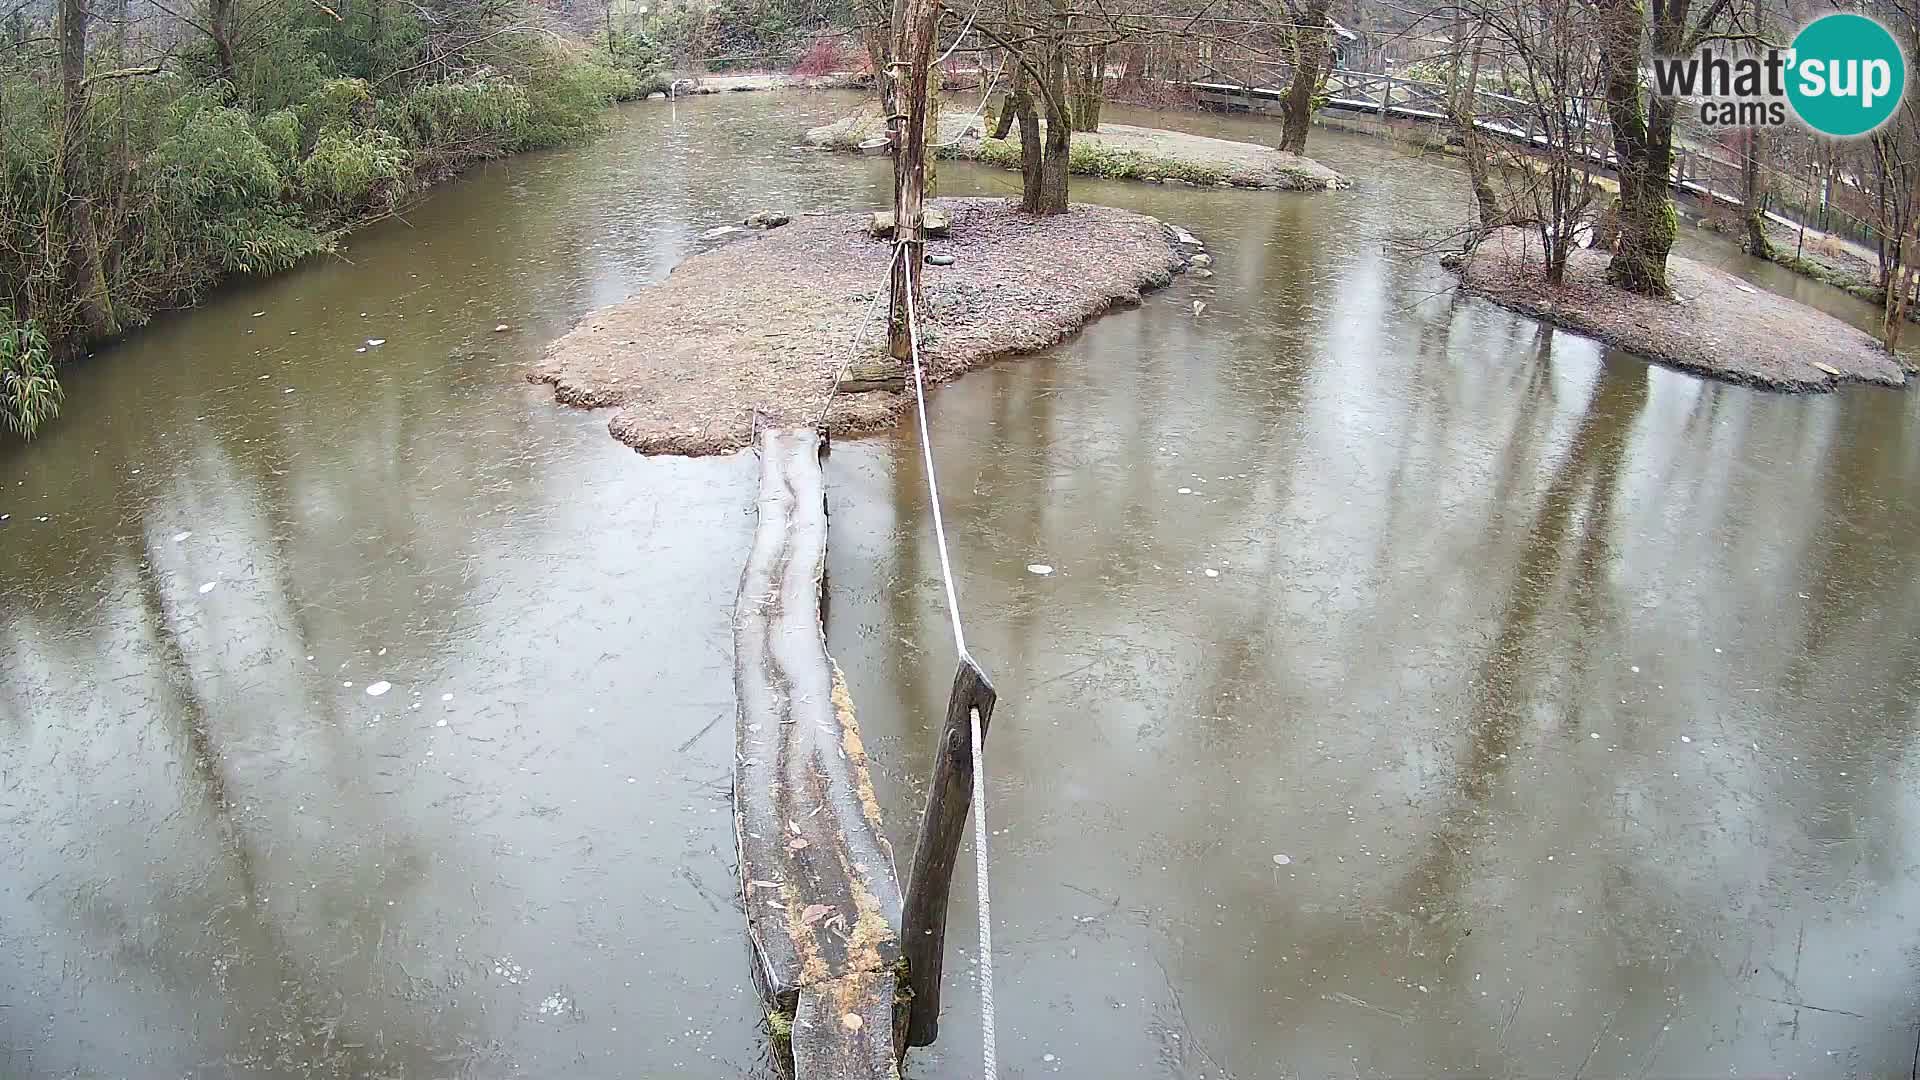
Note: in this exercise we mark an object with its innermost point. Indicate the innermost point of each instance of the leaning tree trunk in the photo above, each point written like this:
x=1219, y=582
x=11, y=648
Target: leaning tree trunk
x=1032, y=152
x=1006, y=114
x=1753, y=192
x=1311, y=50
x=1460, y=107
x=1643, y=145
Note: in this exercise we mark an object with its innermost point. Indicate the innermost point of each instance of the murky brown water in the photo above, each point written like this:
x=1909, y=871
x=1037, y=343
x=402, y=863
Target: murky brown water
x=1549, y=714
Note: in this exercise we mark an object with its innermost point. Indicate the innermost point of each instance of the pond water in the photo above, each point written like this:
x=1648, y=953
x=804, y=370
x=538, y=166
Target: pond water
x=1417, y=689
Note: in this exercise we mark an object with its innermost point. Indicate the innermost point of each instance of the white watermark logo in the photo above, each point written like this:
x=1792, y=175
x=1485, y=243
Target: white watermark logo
x=1844, y=75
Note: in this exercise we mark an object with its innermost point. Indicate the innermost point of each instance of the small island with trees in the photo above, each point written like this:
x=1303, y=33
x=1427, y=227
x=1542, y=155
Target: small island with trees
x=152, y=153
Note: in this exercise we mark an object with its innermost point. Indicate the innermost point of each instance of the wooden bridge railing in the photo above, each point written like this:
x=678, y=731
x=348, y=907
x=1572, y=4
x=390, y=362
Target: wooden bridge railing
x=1696, y=171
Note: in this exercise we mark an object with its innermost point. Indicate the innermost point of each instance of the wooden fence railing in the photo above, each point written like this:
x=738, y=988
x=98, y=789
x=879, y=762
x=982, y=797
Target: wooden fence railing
x=1697, y=172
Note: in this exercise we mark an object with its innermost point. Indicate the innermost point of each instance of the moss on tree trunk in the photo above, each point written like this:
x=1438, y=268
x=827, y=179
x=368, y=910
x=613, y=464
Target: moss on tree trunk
x=1311, y=51
x=1643, y=146
x=1753, y=184
x=1089, y=88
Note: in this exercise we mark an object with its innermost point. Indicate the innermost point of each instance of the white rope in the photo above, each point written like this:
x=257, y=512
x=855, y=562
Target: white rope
x=986, y=911
x=926, y=451
x=964, y=31
x=978, y=114
x=989, y=1053
x=853, y=353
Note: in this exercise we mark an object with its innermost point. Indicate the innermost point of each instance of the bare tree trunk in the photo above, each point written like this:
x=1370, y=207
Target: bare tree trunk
x=1059, y=132
x=1053, y=167
x=1310, y=55
x=73, y=239
x=1900, y=283
x=1134, y=68
x=1643, y=145
x=1031, y=152
x=876, y=43
x=1460, y=103
x=1806, y=204
x=377, y=36
x=1753, y=185
x=121, y=154
x=1003, y=119
x=1089, y=88
x=913, y=59
x=220, y=22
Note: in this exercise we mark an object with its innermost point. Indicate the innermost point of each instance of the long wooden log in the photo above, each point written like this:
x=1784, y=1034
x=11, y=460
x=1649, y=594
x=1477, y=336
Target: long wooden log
x=816, y=873
x=924, y=926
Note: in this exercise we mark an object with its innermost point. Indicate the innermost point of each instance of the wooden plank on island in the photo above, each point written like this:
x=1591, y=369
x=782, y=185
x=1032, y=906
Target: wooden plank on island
x=816, y=873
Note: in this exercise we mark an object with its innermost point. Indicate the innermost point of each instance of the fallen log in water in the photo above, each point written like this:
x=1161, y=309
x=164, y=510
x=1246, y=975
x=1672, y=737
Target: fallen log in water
x=817, y=875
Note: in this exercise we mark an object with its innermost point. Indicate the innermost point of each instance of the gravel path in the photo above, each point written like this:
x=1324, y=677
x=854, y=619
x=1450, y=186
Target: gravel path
x=1717, y=325
x=768, y=322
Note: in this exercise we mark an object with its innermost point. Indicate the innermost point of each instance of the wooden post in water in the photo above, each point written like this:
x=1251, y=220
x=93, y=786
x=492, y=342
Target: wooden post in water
x=923, y=929
x=914, y=23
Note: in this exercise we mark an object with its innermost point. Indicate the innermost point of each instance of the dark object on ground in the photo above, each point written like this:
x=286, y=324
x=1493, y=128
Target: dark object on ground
x=767, y=219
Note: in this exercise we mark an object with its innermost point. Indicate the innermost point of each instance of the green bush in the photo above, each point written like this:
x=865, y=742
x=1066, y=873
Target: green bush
x=566, y=102
x=279, y=131
x=475, y=119
x=212, y=163
x=352, y=171
x=642, y=63
x=285, y=66
x=188, y=176
x=215, y=206
x=337, y=103
x=29, y=393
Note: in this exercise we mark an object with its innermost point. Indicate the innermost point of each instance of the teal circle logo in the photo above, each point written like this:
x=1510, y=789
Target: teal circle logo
x=1848, y=75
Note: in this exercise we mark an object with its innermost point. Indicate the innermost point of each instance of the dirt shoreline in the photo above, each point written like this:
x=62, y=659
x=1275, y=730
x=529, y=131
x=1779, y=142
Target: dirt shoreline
x=1716, y=326
x=766, y=324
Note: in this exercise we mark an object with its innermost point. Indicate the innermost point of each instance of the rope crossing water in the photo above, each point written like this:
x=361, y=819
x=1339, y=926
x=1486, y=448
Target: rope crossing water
x=990, y=1057
x=980, y=853
x=853, y=351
